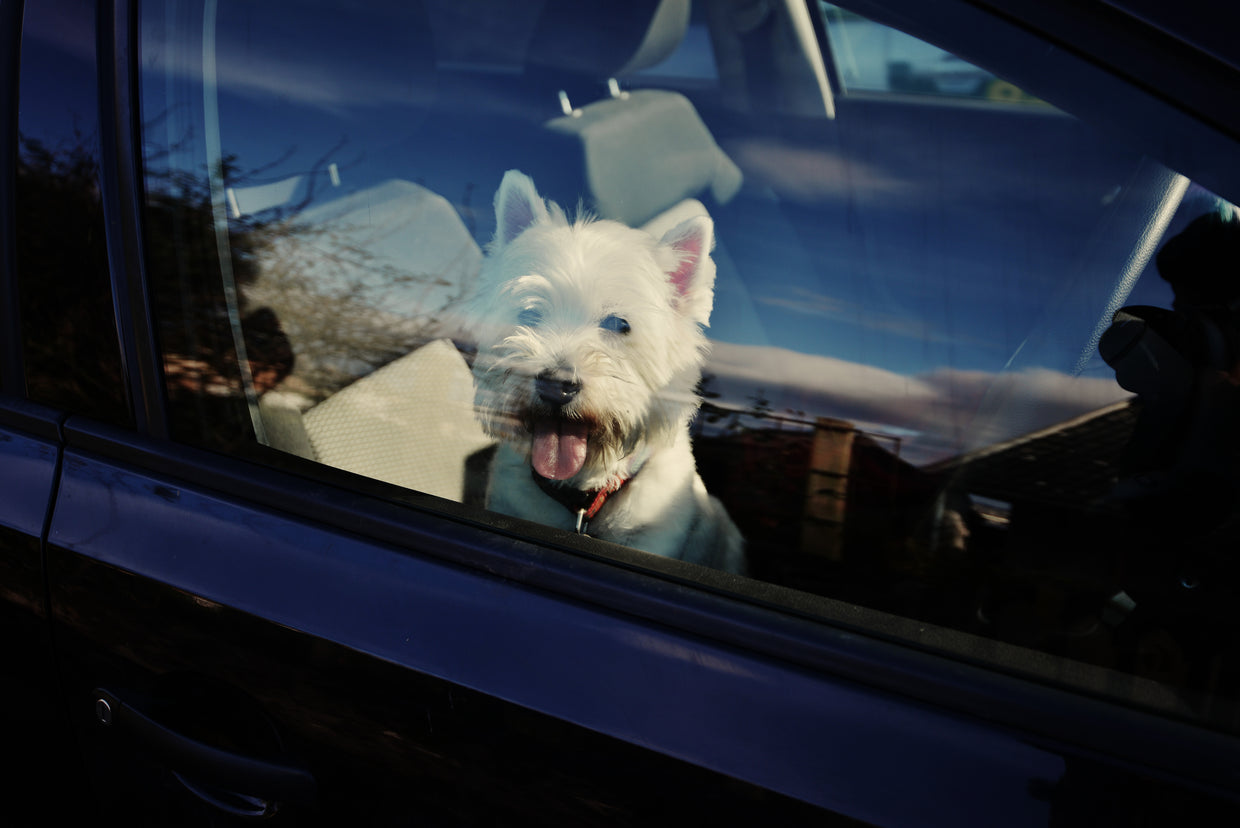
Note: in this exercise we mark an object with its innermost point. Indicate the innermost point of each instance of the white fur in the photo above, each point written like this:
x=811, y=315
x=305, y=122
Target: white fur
x=547, y=290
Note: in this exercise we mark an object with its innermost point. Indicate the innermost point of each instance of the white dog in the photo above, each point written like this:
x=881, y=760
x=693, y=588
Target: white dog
x=590, y=346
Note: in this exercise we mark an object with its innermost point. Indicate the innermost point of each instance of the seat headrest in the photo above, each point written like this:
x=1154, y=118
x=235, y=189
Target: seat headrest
x=644, y=153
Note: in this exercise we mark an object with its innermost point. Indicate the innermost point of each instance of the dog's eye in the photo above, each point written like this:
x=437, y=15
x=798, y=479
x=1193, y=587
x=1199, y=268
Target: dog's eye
x=529, y=317
x=615, y=324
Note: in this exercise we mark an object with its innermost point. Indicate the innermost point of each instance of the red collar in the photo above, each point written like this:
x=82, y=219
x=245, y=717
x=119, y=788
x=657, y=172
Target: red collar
x=585, y=504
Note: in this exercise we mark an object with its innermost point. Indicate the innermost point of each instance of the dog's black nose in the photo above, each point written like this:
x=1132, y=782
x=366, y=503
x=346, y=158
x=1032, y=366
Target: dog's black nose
x=556, y=388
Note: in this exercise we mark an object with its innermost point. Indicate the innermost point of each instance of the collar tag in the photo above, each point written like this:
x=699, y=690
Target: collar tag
x=584, y=504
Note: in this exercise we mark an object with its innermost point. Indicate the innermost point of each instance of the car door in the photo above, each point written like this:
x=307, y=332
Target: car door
x=327, y=671
x=243, y=632
x=29, y=456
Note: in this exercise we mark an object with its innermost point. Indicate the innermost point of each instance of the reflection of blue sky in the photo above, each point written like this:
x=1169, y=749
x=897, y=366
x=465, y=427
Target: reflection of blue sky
x=905, y=238
x=946, y=245
x=57, y=94
x=366, y=59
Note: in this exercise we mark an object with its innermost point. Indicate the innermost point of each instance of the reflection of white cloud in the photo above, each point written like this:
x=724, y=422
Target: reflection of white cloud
x=809, y=174
x=994, y=407
x=327, y=86
x=310, y=60
x=798, y=373
x=61, y=23
x=811, y=303
x=945, y=411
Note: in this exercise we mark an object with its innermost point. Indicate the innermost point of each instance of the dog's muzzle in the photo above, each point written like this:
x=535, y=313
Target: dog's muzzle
x=556, y=388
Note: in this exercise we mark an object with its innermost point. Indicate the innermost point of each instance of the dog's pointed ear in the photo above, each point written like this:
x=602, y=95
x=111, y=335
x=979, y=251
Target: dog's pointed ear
x=517, y=206
x=693, y=275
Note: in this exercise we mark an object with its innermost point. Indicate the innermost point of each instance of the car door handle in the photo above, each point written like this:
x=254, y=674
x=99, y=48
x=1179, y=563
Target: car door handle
x=240, y=785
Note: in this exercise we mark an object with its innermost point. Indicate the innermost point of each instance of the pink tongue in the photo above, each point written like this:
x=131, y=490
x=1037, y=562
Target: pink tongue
x=559, y=447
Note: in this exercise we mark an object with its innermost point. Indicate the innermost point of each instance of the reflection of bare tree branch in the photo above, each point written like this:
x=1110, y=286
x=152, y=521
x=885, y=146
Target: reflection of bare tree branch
x=315, y=298
x=334, y=298
x=254, y=176
x=313, y=176
x=315, y=173
x=155, y=153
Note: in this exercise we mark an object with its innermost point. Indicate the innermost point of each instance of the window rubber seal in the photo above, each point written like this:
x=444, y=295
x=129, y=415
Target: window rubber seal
x=123, y=196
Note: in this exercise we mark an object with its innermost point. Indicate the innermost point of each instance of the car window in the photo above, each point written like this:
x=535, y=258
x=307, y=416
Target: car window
x=871, y=323
x=70, y=348
x=873, y=58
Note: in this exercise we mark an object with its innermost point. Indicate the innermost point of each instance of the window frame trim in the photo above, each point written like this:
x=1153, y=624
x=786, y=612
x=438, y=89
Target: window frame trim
x=1096, y=59
x=12, y=370
x=123, y=197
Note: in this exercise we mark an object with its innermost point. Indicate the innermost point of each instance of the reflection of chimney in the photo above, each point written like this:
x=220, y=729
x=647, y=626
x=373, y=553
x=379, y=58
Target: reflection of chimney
x=822, y=531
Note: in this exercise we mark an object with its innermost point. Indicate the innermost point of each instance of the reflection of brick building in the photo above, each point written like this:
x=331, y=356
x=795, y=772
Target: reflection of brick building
x=810, y=501
x=829, y=508
x=760, y=476
x=1059, y=550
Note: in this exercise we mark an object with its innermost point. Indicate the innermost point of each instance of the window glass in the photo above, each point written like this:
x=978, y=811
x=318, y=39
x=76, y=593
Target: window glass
x=70, y=348
x=918, y=400
x=870, y=57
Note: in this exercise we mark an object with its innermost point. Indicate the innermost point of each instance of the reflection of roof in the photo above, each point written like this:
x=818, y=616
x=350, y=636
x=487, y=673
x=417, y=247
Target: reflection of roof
x=1071, y=463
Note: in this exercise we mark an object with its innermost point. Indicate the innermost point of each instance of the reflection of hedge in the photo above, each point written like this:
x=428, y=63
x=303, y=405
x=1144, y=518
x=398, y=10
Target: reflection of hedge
x=339, y=323
x=71, y=349
x=339, y=327
x=203, y=382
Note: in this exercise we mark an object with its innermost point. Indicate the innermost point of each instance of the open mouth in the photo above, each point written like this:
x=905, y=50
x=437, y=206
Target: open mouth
x=559, y=445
